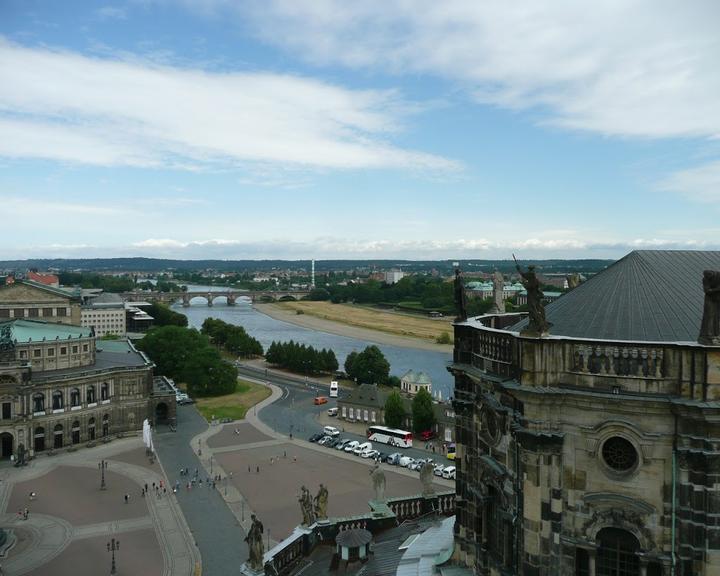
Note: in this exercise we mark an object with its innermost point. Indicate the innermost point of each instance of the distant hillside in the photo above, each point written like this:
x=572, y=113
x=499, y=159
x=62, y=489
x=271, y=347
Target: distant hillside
x=159, y=264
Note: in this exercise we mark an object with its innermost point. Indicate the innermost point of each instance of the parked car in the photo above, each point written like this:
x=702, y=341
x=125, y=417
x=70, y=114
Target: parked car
x=315, y=437
x=405, y=461
x=439, y=469
x=320, y=400
x=332, y=411
x=331, y=431
x=369, y=454
x=350, y=446
x=332, y=443
x=382, y=457
x=341, y=445
x=394, y=458
x=324, y=440
x=362, y=447
x=449, y=472
x=427, y=435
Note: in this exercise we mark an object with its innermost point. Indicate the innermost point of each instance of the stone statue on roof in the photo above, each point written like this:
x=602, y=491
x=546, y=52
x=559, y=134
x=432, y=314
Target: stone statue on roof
x=537, y=324
x=321, y=503
x=498, y=292
x=254, y=541
x=710, y=326
x=460, y=297
x=306, y=506
x=427, y=471
x=378, y=478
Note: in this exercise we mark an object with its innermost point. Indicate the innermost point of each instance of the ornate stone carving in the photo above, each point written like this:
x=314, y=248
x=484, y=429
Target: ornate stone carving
x=710, y=327
x=619, y=518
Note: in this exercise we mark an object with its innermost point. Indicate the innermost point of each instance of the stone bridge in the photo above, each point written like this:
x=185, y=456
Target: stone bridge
x=231, y=295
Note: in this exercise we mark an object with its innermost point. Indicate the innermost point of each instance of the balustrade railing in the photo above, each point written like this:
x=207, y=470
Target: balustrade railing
x=618, y=361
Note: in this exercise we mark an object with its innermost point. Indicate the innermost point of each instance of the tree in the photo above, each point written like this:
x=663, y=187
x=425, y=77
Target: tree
x=165, y=317
x=422, y=411
x=349, y=362
x=369, y=366
x=394, y=410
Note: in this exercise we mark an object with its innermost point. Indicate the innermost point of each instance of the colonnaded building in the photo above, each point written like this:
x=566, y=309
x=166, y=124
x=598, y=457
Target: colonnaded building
x=593, y=449
x=60, y=386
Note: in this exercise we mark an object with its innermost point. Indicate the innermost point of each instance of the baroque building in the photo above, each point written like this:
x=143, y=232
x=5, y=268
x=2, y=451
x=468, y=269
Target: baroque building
x=61, y=387
x=594, y=449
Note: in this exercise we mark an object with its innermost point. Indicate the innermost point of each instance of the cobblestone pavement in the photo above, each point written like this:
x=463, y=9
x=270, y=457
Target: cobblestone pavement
x=216, y=531
x=70, y=519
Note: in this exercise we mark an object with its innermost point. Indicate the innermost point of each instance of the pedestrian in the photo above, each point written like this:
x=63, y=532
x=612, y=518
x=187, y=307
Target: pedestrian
x=257, y=470
x=127, y=498
x=146, y=489
x=248, y=469
x=142, y=492
x=26, y=513
x=284, y=453
x=294, y=459
x=33, y=495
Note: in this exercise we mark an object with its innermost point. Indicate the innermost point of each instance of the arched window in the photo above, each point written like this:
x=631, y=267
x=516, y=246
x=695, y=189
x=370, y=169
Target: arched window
x=39, y=439
x=91, y=394
x=104, y=391
x=76, y=432
x=39, y=402
x=91, y=429
x=58, y=436
x=617, y=553
x=106, y=425
x=57, y=400
x=75, y=397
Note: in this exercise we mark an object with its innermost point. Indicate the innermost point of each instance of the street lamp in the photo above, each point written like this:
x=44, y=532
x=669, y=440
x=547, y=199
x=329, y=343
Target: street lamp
x=113, y=546
x=102, y=465
x=211, y=465
x=225, y=485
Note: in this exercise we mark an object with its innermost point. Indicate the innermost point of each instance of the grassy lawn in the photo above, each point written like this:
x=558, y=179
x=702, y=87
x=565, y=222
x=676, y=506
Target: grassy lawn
x=363, y=317
x=234, y=405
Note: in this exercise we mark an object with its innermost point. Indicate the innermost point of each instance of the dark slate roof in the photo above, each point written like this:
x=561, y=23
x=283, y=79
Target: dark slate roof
x=353, y=538
x=649, y=295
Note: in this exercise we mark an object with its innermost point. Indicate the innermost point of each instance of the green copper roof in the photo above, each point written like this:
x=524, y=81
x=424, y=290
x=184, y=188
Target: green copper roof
x=23, y=331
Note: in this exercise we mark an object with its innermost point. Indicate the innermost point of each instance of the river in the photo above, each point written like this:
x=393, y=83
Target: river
x=267, y=329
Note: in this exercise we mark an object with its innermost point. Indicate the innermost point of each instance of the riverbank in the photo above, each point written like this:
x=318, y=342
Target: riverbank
x=286, y=314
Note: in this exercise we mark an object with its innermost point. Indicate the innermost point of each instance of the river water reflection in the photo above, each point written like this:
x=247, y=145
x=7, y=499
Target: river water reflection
x=267, y=329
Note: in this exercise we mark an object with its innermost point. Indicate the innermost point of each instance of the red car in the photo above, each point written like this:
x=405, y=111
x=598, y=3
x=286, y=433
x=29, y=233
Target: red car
x=427, y=435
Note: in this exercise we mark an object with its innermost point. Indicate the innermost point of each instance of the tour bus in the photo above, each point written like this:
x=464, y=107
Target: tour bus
x=398, y=438
x=333, y=389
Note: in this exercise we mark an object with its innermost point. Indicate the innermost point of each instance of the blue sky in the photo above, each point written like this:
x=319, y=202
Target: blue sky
x=328, y=129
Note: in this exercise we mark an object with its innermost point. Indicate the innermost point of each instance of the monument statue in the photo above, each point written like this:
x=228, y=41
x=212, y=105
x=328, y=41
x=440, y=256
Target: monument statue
x=710, y=327
x=537, y=323
x=7, y=346
x=460, y=297
x=306, y=506
x=573, y=280
x=498, y=290
x=254, y=541
x=378, y=478
x=321, y=502
x=426, y=477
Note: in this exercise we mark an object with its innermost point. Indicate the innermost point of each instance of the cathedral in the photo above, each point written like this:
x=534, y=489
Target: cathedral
x=588, y=434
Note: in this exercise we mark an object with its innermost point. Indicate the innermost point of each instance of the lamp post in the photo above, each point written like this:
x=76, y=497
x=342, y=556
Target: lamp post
x=225, y=480
x=102, y=465
x=113, y=546
x=211, y=465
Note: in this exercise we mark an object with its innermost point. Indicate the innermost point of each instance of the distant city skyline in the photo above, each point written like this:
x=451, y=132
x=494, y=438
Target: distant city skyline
x=294, y=130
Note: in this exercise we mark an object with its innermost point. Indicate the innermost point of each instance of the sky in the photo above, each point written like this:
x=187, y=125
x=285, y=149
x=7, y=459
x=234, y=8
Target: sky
x=376, y=129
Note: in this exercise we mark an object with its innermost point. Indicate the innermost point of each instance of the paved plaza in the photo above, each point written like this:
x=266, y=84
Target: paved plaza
x=70, y=520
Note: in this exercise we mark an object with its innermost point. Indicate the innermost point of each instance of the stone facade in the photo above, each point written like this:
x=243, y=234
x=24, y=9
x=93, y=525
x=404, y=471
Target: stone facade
x=26, y=299
x=585, y=457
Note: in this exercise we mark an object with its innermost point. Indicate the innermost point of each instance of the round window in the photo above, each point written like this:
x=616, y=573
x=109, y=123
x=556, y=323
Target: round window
x=490, y=425
x=619, y=454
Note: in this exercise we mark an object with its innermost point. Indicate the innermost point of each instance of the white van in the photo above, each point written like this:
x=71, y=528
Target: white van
x=350, y=446
x=332, y=411
x=360, y=448
x=333, y=389
x=449, y=472
x=331, y=431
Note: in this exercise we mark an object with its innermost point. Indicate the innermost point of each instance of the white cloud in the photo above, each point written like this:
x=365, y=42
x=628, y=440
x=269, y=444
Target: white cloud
x=103, y=111
x=643, y=68
x=111, y=13
x=344, y=248
x=701, y=183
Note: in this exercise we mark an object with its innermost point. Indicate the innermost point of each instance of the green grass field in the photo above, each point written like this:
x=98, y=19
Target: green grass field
x=234, y=405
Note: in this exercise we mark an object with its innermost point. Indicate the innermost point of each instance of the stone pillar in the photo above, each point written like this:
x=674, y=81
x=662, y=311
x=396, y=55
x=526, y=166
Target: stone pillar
x=592, y=554
x=210, y=300
x=186, y=301
x=230, y=300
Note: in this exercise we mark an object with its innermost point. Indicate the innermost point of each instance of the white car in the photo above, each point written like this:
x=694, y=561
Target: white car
x=406, y=461
x=449, y=473
x=369, y=453
x=331, y=431
x=350, y=446
x=394, y=458
x=439, y=469
x=360, y=448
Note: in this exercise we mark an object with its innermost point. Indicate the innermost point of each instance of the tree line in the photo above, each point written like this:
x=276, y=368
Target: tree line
x=231, y=338
x=423, y=416
x=186, y=355
x=301, y=358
